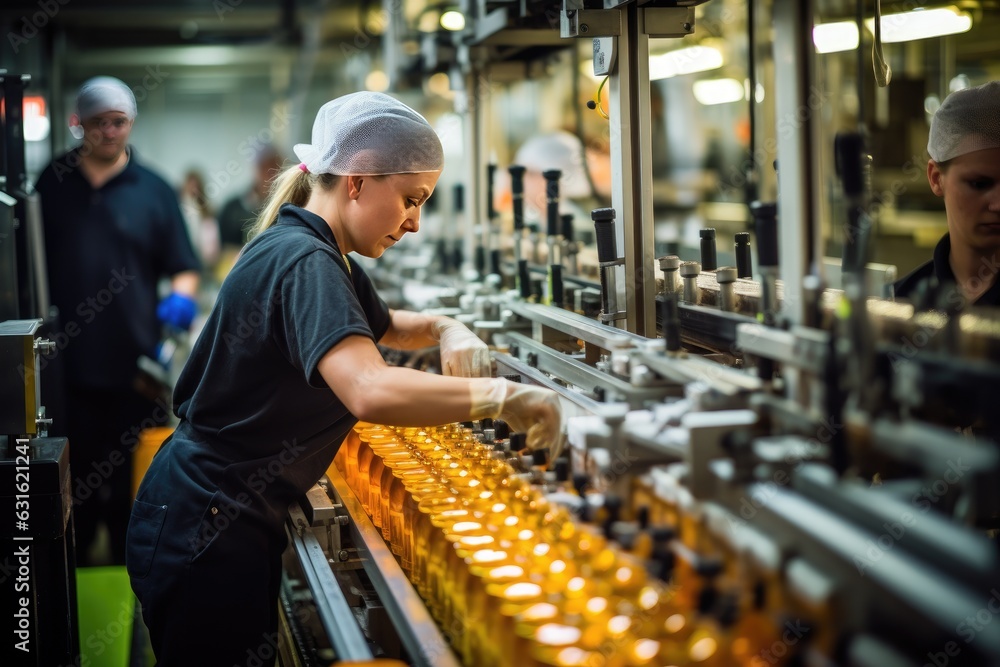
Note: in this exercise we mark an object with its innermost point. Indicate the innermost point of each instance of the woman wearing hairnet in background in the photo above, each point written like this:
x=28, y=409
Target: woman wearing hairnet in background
x=964, y=169
x=286, y=365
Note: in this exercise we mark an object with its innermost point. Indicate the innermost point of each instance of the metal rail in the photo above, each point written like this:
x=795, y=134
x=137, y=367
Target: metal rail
x=334, y=613
x=580, y=374
x=417, y=631
x=571, y=323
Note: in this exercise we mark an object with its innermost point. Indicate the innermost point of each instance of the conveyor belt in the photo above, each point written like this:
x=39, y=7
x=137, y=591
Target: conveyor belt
x=417, y=631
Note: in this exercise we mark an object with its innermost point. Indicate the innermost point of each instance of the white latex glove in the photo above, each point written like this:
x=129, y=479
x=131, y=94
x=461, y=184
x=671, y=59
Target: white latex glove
x=527, y=408
x=463, y=354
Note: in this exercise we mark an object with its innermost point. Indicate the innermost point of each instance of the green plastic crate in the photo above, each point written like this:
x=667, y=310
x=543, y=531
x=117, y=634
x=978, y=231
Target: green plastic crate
x=106, y=607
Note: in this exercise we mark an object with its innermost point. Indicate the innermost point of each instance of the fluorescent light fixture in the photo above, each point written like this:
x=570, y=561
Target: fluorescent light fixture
x=440, y=84
x=36, y=128
x=922, y=24
x=207, y=55
x=684, y=61
x=719, y=91
x=452, y=20
x=834, y=37
x=377, y=81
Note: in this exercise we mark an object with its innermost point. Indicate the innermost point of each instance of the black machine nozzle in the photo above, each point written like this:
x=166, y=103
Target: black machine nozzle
x=556, y=285
x=491, y=170
x=517, y=194
x=765, y=218
x=604, y=232
x=567, y=226
x=552, y=177
x=709, y=262
x=670, y=319
x=524, y=278
x=744, y=265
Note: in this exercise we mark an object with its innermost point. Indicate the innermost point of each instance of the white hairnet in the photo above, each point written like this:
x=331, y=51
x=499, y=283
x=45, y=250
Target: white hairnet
x=370, y=134
x=98, y=95
x=967, y=121
x=557, y=150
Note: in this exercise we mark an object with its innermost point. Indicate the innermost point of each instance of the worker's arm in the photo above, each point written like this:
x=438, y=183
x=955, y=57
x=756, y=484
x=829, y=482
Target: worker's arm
x=410, y=331
x=376, y=392
x=462, y=352
x=179, y=307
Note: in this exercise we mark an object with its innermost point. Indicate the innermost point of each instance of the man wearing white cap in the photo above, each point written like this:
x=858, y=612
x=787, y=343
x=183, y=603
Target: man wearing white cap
x=113, y=230
x=964, y=169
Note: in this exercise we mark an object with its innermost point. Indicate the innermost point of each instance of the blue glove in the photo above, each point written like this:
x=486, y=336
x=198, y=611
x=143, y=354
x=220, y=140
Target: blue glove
x=177, y=310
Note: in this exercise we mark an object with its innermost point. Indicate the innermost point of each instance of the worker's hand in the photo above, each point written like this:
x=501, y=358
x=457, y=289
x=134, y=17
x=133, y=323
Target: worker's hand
x=177, y=310
x=527, y=408
x=463, y=354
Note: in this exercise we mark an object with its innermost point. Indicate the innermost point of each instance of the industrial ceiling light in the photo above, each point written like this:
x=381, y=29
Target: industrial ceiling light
x=452, y=20
x=834, y=37
x=922, y=24
x=719, y=91
x=377, y=81
x=684, y=61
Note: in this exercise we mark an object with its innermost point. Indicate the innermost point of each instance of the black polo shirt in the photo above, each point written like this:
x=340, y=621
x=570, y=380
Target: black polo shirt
x=250, y=393
x=940, y=268
x=106, y=249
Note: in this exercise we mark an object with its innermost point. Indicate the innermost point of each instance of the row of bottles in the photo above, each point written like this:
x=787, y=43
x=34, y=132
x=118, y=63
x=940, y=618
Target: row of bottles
x=491, y=539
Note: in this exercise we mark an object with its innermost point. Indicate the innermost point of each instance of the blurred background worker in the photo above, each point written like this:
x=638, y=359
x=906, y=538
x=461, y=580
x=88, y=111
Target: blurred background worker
x=113, y=230
x=964, y=170
x=202, y=227
x=563, y=151
x=239, y=212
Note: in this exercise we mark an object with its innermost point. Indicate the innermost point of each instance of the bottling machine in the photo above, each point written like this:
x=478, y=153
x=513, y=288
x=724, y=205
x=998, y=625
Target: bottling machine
x=807, y=475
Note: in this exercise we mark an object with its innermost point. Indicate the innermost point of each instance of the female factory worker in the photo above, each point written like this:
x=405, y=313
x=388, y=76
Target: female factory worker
x=964, y=169
x=285, y=366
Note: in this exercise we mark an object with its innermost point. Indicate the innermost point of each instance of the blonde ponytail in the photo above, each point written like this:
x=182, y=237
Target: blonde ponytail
x=292, y=186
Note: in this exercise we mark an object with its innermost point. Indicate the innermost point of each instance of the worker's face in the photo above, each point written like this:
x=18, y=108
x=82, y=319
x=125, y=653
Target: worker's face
x=106, y=135
x=970, y=186
x=385, y=208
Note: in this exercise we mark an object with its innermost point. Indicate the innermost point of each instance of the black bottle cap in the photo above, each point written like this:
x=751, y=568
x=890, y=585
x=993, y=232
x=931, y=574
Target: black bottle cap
x=708, y=567
x=759, y=595
x=664, y=562
x=642, y=516
x=486, y=422
x=729, y=610
x=580, y=482
x=562, y=469
x=707, y=233
x=540, y=457
x=501, y=428
x=624, y=533
x=707, y=598
x=662, y=534
x=518, y=441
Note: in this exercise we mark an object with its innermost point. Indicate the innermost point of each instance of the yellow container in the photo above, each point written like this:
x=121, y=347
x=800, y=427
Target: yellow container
x=149, y=443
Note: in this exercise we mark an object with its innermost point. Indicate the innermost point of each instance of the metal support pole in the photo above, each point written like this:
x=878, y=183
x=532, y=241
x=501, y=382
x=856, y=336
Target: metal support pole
x=631, y=169
x=798, y=104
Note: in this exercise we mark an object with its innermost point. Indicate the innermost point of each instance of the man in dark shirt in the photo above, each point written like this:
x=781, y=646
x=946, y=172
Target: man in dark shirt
x=964, y=169
x=239, y=212
x=113, y=230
